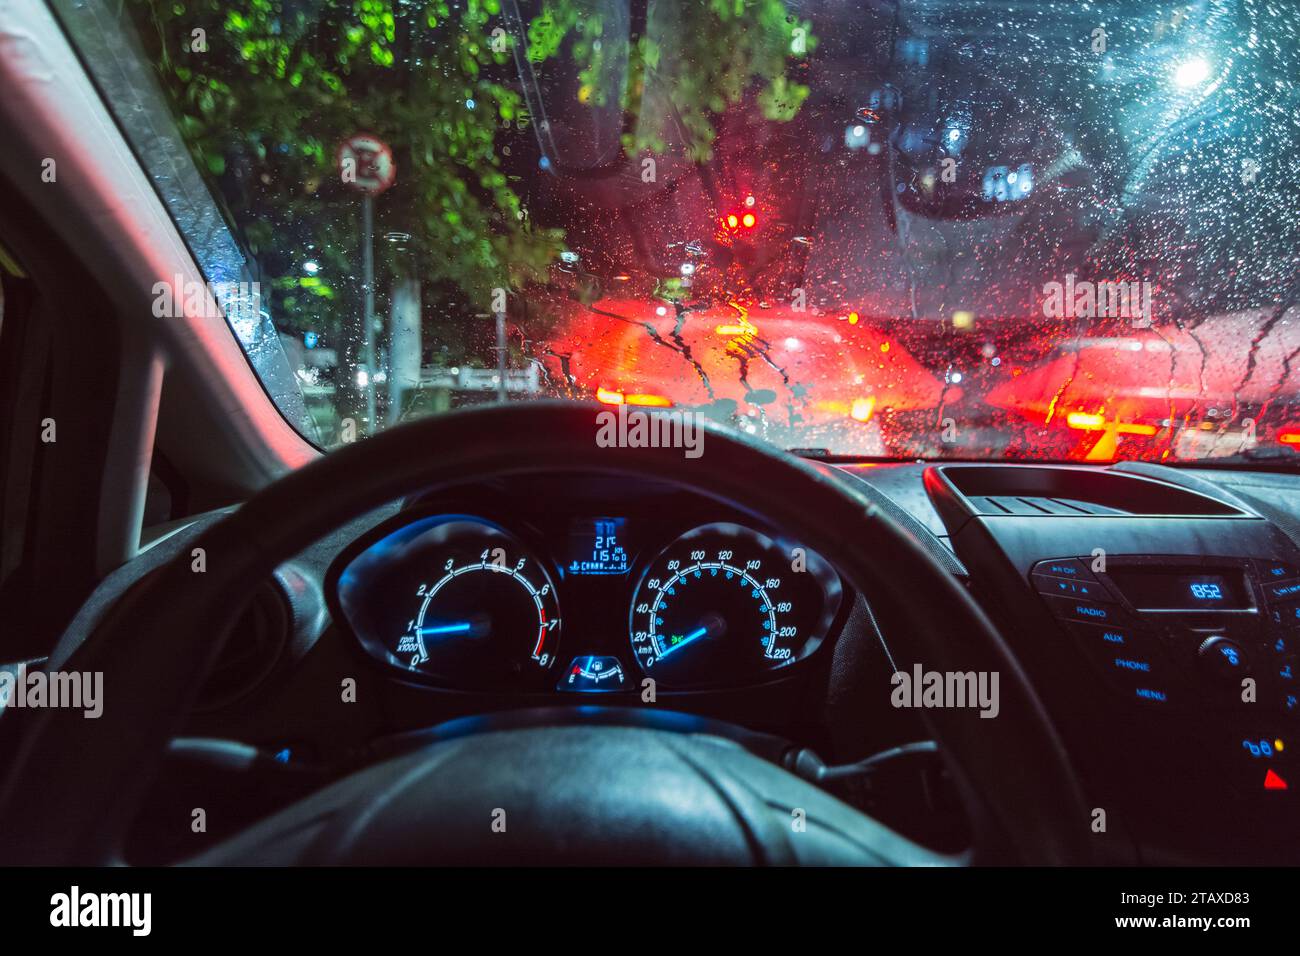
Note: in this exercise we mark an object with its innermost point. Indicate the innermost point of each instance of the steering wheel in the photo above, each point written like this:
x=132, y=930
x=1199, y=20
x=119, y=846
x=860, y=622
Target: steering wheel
x=550, y=791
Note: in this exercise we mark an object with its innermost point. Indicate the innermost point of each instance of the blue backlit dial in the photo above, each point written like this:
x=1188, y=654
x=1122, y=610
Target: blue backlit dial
x=724, y=601
x=454, y=598
x=496, y=593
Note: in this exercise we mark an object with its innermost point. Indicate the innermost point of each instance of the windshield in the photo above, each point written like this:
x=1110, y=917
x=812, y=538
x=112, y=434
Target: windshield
x=906, y=229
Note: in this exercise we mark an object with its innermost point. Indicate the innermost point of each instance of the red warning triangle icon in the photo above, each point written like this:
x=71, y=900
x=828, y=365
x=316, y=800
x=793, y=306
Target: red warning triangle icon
x=1273, y=782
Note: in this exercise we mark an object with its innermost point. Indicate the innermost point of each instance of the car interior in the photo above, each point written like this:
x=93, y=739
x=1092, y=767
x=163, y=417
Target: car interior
x=771, y=514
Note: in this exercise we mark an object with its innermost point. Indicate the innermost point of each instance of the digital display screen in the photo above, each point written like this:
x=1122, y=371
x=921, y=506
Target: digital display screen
x=596, y=547
x=1178, y=590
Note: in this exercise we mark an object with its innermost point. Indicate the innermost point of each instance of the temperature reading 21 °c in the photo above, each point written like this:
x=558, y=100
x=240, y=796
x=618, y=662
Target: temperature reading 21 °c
x=596, y=547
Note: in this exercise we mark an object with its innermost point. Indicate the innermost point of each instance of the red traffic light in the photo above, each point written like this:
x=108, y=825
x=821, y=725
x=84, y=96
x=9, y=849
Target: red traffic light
x=733, y=221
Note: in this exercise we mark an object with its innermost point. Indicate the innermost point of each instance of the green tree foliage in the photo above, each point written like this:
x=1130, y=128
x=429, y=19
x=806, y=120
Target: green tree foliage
x=701, y=56
x=279, y=85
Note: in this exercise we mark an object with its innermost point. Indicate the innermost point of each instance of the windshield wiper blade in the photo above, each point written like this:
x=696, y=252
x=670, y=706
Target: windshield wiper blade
x=1268, y=458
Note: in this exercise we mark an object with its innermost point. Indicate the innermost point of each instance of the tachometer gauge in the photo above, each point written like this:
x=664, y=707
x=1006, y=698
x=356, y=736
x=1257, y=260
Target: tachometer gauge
x=724, y=602
x=456, y=598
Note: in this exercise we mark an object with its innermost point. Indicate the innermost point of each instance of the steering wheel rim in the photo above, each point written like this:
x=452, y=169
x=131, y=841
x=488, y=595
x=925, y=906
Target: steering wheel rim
x=76, y=784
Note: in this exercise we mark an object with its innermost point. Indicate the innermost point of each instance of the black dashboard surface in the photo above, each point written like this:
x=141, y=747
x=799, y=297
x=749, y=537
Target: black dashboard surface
x=1161, y=641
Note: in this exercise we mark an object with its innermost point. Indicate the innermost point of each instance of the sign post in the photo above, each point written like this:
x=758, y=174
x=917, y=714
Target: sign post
x=366, y=165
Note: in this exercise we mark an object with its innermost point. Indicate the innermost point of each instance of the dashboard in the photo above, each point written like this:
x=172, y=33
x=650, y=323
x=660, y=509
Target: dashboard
x=1156, y=610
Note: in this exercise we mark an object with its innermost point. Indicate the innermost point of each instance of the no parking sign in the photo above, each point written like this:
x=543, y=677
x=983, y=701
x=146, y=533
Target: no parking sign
x=366, y=163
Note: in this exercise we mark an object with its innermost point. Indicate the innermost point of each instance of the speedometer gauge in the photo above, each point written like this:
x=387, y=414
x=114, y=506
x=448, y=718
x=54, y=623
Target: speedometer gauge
x=456, y=598
x=724, y=602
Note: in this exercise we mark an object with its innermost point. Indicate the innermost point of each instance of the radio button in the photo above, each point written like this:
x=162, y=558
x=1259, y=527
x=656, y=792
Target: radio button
x=1146, y=694
x=1070, y=588
x=1275, y=570
x=1286, y=615
x=1280, y=644
x=1290, y=703
x=1109, y=640
x=1282, y=590
x=1087, y=612
x=1071, y=568
x=1131, y=664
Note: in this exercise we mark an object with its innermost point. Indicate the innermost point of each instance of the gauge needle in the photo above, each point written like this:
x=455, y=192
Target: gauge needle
x=677, y=642
x=713, y=626
x=475, y=628
x=458, y=627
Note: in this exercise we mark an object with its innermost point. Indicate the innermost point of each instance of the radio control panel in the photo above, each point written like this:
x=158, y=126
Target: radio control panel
x=1212, y=634
x=1176, y=631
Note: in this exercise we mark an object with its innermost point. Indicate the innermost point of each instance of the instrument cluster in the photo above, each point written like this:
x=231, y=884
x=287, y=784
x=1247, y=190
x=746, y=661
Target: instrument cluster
x=583, y=603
